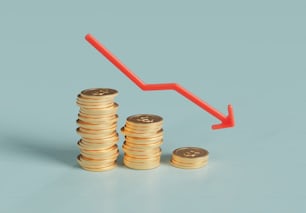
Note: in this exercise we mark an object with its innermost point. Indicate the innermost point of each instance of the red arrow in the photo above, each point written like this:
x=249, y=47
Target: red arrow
x=226, y=121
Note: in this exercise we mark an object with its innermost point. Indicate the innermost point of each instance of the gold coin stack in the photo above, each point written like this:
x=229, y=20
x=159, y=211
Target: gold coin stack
x=97, y=121
x=143, y=137
x=189, y=158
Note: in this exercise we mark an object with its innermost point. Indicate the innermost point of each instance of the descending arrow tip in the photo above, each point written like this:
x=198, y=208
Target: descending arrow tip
x=228, y=121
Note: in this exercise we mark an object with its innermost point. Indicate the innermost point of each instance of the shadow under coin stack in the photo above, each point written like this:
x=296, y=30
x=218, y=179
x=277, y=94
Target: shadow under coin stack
x=143, y=137
x=189, y=158
x=97, y=121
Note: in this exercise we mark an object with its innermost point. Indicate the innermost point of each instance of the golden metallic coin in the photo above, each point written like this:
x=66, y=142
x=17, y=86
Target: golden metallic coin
x=143, y=127
x=144, y=119
x=97, y=119
x=188, y=166
x=140, y=150
x=98, y=92
x=103, y=151
x=189, y=157
x=101, y=132
x=82, y=144
x=95, y=99
x=141, y=160
x=100, y=111
x=95, y=106
x=100, y=107
x=91, y=136
x=142, y=135
x=190, y=153
x=143, y=166
x=102, y=125
x=89, y=162
x=100, y=153
x=95, y=168
x=98, y=156
x=114, y=138
x=142, y=130
x=102, y=100
x=101, y=117
x=137, y=140
x=102, y=169
x=144, y=145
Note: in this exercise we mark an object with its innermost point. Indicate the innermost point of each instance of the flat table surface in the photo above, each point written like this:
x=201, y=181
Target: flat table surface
x=248, y=54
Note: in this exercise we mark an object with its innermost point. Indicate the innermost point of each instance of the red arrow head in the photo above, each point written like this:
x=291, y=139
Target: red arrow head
x=228, y=121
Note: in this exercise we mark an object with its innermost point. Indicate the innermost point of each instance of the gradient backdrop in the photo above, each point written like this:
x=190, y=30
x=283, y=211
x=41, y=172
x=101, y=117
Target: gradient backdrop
x=247, y=53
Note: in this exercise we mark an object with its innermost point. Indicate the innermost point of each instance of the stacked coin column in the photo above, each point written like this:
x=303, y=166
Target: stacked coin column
x=143, y=137
x=97, y=121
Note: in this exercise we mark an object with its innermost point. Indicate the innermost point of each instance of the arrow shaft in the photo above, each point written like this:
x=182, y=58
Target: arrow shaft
x=115, y=61
x=164, y=86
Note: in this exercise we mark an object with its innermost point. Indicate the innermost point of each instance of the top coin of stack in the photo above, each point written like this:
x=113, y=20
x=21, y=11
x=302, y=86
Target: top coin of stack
x=97, y=121
x=189, y=157
x=143, y=137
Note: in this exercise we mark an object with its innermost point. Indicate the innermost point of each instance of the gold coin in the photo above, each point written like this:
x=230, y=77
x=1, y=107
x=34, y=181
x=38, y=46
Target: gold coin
x=141, y=160
x=104, y=151
x=99, y=169
x=101, y=132
x=137, y=140
x=89, y=162
x=189, y=157
x=95, y=168
x=98, y=100
x=98, y=119
x=103, y=100
x=144, y=119
x=93, y=155
x=97, y=116
x=113, y=138
x=99, y=136
x=101, y=129
x=109, y=151
x=100, y=111
x=138, y=166
x=98, y=92
x=94, y=105
x=144, y=145
x=102, y=125
x=190, y=152
x=82, y=144
x=186, y=166
x=142, y=130
x=141, y=135
x=140, y=150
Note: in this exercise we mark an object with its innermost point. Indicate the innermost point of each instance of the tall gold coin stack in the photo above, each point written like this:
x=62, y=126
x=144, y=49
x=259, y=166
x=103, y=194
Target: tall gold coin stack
x=189, y=158
x=97, y=121
x=143, y=137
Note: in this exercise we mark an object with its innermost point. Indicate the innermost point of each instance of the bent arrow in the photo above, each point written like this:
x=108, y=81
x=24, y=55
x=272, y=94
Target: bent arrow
x=226, y=121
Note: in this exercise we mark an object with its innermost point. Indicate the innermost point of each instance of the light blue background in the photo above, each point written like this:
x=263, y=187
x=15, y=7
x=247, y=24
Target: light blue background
x=247, y=53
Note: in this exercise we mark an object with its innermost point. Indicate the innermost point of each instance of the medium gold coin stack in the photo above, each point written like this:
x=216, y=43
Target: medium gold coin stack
x=189, y=158
x=97, y=121
x=143, y=137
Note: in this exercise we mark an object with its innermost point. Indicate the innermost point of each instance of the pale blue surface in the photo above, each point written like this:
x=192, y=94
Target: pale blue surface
x=251, y=55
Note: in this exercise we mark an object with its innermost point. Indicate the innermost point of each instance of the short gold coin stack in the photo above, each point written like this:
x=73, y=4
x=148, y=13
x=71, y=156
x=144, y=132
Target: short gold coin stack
x=97, y=121
x=189, y=158
x=143, y=137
